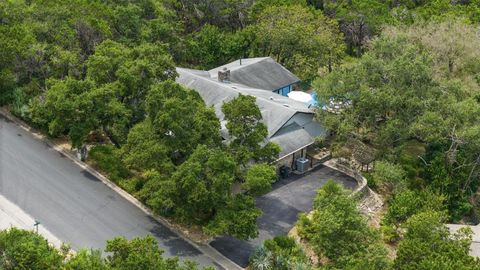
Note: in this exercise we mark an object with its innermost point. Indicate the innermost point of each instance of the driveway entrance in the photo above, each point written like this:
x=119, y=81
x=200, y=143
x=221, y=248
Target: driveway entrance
x=280, y=208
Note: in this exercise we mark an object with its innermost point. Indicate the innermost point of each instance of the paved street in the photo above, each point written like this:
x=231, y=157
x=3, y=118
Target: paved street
x=281, y=207
x=12, y=216
x=71, y=203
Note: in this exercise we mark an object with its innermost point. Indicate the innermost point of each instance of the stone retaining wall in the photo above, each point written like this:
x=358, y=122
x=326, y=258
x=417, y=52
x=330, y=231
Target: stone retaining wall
x=362, y=187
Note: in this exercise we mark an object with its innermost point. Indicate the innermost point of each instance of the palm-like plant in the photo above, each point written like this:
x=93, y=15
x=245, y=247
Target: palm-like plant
x=261, y=259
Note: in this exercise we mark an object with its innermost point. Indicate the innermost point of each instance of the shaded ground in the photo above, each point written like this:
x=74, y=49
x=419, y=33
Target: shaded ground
x=281, y=207
x=70, y=202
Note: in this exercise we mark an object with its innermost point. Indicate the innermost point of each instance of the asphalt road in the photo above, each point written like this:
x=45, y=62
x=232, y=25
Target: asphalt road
x=280, y=208
x=70, y=202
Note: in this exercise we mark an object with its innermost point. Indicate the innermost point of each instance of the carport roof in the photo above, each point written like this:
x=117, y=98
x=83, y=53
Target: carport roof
x=292, y=141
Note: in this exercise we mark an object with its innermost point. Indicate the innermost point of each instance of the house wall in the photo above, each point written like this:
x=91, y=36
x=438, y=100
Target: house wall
x=284, y=91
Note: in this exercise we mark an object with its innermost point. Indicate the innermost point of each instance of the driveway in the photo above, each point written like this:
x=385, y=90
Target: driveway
x=281, y=207
x=70, y=202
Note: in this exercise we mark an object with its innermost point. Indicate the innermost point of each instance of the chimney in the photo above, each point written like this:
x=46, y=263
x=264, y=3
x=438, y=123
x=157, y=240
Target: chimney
x=224, y=75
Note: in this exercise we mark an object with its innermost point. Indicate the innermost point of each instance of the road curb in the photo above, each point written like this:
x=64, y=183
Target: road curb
x=205, y=249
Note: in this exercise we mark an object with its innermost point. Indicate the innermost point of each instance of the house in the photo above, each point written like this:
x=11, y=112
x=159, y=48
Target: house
x=290, y=123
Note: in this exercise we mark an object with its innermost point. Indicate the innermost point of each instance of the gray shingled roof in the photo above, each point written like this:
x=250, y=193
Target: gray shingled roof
x=292, y=141
x=290, y=123
x=276, y=109
x=261, y=73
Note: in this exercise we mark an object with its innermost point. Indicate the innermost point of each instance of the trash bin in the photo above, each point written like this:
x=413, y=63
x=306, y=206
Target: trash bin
x=284, y=172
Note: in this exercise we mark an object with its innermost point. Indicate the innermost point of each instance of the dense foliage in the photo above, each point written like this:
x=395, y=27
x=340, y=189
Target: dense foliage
x=22, y=249
x=337, y=231
x=413, y=86
x=281, y=253
x=428, y=244
x=406, y=71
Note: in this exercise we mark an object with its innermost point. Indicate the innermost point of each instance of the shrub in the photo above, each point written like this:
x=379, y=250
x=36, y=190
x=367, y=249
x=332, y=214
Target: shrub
x=280, y=253
x=106, y=158
x=22, y=249
x=390, y=177
x=408, y=203
x=337, y=231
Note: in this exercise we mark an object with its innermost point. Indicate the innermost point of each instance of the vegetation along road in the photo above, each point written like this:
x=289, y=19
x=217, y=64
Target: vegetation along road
x=70, y=202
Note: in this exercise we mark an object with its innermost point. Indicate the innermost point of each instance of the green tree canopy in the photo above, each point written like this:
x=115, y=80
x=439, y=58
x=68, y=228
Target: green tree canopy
x=336, y=230
x=247, y=131
x=394, y=95
x=300, y=38
x=76, y=108
x=200, y=192
x=259, y=178
x=428, y=244
x=181, y=119
x=141, y=254
x=23, y=249
x=27, y=250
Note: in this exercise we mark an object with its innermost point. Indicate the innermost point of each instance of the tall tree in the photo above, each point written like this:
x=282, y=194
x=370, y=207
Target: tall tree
x=200, y=192
x=23, y=249
x=336, y=230
x=247, y=131
x=455, y=45
x=140, y=254
x=134, y=70
x=359, y=20
x=300, y=38
x=27, y=250
x=181, y=119
x=390, y=84
x=77, y=108
x=428, y=244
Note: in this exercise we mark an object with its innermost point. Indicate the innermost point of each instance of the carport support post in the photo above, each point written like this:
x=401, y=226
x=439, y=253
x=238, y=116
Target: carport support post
x=293, y=160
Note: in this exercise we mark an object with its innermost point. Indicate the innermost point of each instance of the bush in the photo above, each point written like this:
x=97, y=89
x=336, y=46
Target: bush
x=390, y=233
x=336, y=230
x=390, y=177
x=7, y=84
x=106, y=158
x=259, y=179
x=20, y=103
x=21, y=249
x=408, y=203
x=371, y=183
x=280, y=253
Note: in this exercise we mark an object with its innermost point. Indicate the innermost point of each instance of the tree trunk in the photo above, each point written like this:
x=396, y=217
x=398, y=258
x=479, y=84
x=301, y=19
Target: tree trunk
x=450, y=65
